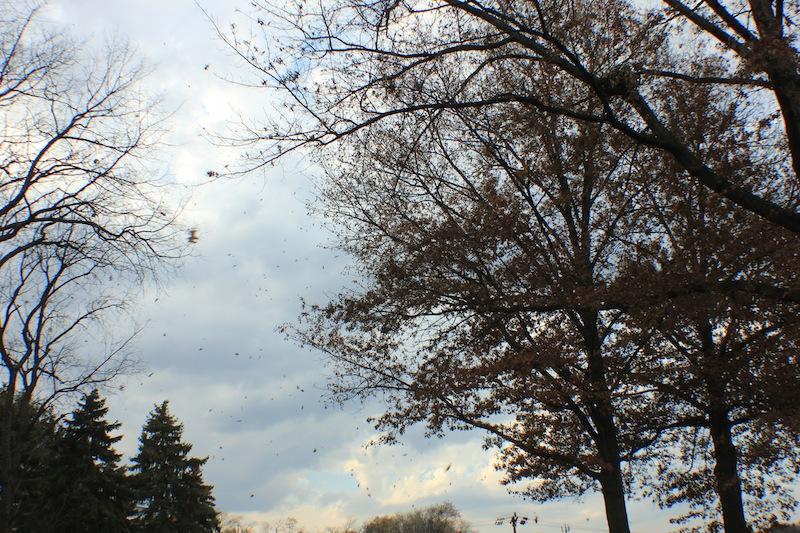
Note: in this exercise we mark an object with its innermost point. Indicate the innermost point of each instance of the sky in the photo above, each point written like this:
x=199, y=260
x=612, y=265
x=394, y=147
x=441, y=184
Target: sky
x=249, y=399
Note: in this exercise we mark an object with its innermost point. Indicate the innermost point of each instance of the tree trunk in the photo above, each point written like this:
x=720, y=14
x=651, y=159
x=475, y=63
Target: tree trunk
x=601, y=412
x=614, y=501
x=779, y=62
x=726, y=470
x=726, y=475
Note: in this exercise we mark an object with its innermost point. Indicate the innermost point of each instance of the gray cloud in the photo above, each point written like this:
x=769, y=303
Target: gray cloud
x=249, y=400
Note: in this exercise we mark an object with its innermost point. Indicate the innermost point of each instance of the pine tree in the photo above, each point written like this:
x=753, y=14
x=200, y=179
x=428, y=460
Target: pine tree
x=28, y=448
x=171, y=494
x=94, y=492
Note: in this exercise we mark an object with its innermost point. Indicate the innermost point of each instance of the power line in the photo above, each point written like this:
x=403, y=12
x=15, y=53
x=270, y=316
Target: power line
x=514, y=519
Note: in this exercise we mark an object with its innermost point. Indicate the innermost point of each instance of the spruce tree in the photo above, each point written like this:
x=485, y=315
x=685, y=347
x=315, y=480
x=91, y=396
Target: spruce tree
x=94, y=493
x=171, y=494
x=28, y=450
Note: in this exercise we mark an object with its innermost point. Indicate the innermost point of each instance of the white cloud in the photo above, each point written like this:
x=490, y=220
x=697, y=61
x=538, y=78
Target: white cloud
x=248, y=399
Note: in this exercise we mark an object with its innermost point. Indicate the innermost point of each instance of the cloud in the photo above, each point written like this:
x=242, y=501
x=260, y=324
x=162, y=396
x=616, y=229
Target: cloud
x=248, y=399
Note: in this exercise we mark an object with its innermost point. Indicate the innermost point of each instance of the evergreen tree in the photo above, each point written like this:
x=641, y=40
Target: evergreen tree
x=94, y=494
x=28, y=449
x=171, y=494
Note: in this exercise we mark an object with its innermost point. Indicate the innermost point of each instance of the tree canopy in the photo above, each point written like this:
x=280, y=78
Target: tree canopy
x=576, y=233
x=442, y=518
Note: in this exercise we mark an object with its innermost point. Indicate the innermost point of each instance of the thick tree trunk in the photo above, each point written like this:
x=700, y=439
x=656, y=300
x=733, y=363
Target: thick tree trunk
x=726, y=469
x=788, y=97
x=601, y=412
x=779, y=60
x=729, y=486
x=614, y=501
x=611, y=482
x=779, y=66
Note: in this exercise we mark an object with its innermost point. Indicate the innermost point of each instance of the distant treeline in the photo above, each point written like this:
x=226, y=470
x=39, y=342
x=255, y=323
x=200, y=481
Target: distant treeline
x=440, y=518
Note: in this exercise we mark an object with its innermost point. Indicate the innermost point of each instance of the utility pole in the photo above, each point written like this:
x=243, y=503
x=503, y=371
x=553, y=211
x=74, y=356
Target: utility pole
x=514, y=519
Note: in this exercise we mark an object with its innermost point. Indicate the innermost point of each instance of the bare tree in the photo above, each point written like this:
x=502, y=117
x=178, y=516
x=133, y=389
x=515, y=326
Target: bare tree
x=49, y=340
x=77, y=203
x=81, y=218
x=348, y=64
x=235, y=524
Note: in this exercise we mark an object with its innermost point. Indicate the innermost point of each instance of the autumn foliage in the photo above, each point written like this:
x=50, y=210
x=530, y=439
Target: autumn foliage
x=577, y=223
